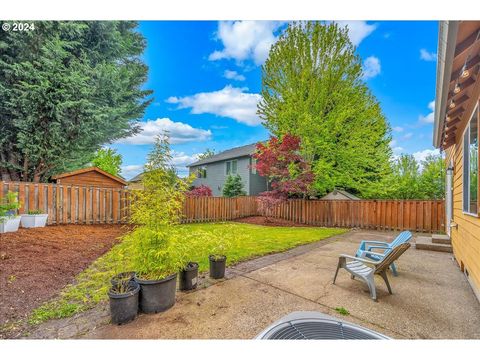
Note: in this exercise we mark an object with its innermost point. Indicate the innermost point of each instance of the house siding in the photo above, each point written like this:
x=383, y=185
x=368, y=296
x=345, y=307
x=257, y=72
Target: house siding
x=258, y=183
x=466, y=237
x=216, y=175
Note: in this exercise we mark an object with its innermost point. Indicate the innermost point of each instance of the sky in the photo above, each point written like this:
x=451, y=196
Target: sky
x=206, y=79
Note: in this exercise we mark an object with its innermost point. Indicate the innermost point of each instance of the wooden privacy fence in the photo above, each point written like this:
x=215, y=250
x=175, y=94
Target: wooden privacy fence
x=69, y=204
x=205, y=209
x=414, y=215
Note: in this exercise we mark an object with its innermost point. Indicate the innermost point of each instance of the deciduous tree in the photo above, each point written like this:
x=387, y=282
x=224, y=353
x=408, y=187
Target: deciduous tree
x=313, y=88
x=108, y=160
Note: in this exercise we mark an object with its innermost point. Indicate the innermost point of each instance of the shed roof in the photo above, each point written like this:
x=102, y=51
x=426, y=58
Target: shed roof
x=89, y=169
x=240, y=151
x=343, y=192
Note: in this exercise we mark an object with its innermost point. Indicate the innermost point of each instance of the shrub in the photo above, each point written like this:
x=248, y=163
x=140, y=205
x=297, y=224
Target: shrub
x=202, y=190
x=233, y=186
x=9, y=205
x=267, y=201
x=157, y=250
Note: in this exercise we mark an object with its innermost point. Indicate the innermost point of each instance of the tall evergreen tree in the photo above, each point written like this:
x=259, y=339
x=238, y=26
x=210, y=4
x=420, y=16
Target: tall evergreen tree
x=67, y=88
x=312, y=87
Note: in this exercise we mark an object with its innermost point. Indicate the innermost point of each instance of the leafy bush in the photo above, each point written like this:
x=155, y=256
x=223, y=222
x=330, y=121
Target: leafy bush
x=233, y=186
x=202, y=190
x=9, y=206
x=267, y=201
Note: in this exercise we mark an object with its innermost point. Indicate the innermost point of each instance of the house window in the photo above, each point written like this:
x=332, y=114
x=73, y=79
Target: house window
x=231, y=167
x=254, y=163
x=202, y=172
x=470, y=165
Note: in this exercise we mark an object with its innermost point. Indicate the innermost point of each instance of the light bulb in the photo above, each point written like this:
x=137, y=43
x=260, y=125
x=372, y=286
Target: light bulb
x=456, y=89
x=452, y=105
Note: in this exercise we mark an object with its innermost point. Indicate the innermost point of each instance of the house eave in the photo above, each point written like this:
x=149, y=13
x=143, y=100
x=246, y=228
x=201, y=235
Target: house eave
x=446, y=52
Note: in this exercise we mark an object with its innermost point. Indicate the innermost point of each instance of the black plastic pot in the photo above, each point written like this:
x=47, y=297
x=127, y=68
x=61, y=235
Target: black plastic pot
x=217, y=266
x=188, y=277
x=157, y=295
x=124, y=306
x=124, y=277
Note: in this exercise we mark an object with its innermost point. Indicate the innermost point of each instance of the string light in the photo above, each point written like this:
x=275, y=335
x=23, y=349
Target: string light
x=464, y=73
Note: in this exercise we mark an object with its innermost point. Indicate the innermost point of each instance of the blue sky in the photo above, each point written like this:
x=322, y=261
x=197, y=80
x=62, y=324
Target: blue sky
x=206, y=80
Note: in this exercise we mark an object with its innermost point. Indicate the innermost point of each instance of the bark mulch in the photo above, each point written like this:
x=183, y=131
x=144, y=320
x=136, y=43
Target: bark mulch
x=35, y=264
x=260, y=220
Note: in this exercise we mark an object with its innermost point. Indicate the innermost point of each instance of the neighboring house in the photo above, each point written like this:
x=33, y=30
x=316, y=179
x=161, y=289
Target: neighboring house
x=136, y=182
x=339, y=194
x=456, y=131
x=91, y=176
x=214, y=170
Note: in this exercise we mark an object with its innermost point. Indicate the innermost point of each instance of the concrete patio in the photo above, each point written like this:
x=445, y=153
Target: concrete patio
x=431, y=298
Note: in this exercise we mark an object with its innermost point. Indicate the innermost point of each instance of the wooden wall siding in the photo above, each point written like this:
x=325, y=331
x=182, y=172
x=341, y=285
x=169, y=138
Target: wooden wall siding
x=465, y=237
x=414, y=215
x=70, y=204
x=90, y=178
x=67, y=204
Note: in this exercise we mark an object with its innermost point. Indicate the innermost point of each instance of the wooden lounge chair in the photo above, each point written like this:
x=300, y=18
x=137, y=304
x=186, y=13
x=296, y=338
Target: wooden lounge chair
x=366, y=247
x=366, y=269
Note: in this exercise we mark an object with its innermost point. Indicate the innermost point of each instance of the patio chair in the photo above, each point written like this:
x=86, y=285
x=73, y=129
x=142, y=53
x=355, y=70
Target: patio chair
x=366, y=247
x=366, y=269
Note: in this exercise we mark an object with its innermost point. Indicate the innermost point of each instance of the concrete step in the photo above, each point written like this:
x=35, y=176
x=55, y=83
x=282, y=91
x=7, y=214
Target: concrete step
x=441, y=239
x=425, y=243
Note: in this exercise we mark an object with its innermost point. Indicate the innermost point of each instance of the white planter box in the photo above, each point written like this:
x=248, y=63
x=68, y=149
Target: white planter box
x=32, y=221
x=9, y=225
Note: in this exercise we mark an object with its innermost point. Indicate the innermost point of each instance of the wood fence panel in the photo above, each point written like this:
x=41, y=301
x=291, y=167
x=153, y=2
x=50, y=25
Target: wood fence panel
x=68, y=204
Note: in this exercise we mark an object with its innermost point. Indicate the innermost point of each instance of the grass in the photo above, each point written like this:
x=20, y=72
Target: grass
x=91, y=286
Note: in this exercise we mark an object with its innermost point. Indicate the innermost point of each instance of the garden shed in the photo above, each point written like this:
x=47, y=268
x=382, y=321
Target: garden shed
x=91, y=176
x=339, y=194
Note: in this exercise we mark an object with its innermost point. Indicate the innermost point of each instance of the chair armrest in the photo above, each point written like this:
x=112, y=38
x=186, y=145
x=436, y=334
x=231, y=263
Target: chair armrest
x=375, y=242
x=378, y=247
x=366, y=261
x=373, y=253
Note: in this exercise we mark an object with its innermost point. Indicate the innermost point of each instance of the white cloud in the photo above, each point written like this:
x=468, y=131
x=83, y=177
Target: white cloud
x=229, y=102
x=397, y=149
x=397, y=128
x=371, y=67
x=243, y=40
x=179, y=132
x=407, y=136
x=232, y=74
x=393, y=143
x=358, y=30
x=429, y=118
x=427, y=56
x=182, y=159
x=130, y=171
x=422, y=155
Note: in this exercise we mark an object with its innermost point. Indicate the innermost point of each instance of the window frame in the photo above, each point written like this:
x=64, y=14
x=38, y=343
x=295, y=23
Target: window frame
x=202, y=172
x=254, y=163
x=466, y=166
x=230, y=162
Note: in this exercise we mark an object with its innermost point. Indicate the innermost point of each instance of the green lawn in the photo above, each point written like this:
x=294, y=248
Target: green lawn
x=91, y=286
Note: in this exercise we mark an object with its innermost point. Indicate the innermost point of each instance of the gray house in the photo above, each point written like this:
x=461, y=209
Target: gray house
x=214, y=170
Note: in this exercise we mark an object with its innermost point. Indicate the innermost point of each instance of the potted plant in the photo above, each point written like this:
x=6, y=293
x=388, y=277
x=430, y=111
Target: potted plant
x=123, y=278
x=157, y=261
x=123, y=301
x=34, y=218
x=156, y=251
x=9, y=221
x=189, y=277
x=220, y=242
